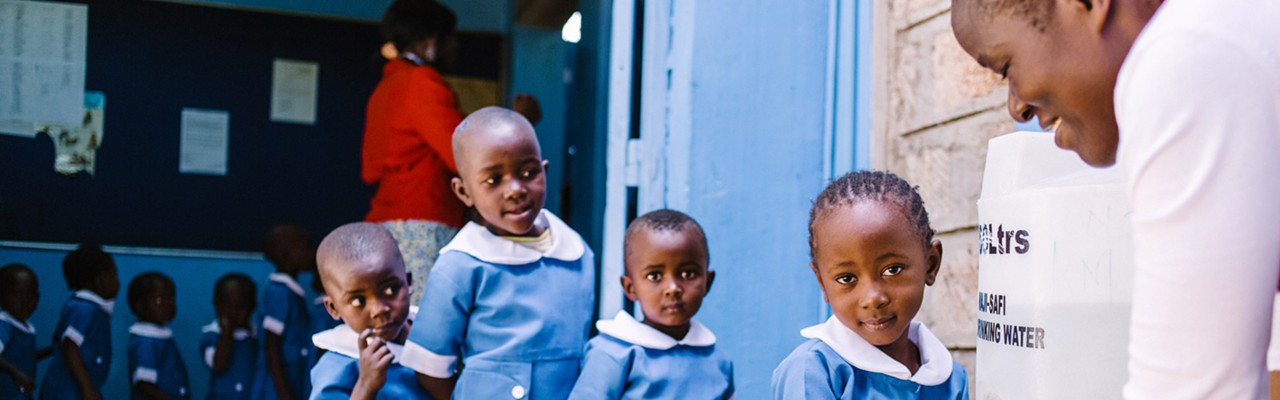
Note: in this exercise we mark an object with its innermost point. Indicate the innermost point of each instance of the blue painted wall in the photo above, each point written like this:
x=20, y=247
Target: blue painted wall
x=539, y=69
x=756, y=161
x=194, y=278
x=473, y=15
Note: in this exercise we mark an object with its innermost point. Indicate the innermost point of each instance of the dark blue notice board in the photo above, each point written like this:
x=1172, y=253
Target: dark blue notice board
x=152, y=59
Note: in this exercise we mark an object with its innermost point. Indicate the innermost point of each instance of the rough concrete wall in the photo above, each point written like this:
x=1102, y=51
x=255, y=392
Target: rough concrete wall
x=934, y=111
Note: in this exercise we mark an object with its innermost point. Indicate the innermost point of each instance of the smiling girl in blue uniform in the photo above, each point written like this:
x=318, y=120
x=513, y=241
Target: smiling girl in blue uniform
x=368, y=290
x=82, y=341
x=229, y=345
x=873, y=253
x=19, y=294
x=669, y=355
x=156, y=370
x=513, y=294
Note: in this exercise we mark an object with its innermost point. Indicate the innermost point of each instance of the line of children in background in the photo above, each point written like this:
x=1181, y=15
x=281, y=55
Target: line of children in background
x=229, y=344
x=156, y=370
x=82, y=337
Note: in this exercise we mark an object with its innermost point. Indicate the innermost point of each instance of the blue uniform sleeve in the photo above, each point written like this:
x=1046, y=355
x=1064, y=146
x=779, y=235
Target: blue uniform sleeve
x=79, y=320
x=145, y=361
x=275, y=308
x=440, y=326
x=6, y=334
x=604, y=375
x=208, y=347
x=333, y=377
x=803, y=375
x=732, y=389
x=962, y=376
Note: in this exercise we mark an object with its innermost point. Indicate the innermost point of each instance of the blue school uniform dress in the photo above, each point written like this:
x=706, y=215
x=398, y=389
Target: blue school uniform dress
x=336, y=373
x=18, y=348
x=517, y=317
x=836, y=363
x=285, y=313
x=236, y=381
x=85, y=321
x=154, y=358
x=631, y=360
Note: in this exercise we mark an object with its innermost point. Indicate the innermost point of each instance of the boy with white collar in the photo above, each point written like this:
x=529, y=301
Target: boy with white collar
x=156, y=370
x=19, y=294
x=367, y=289
x=229, y=345
x=82, y=345
x=512, y=295
x=669, y=355
x=286, y=342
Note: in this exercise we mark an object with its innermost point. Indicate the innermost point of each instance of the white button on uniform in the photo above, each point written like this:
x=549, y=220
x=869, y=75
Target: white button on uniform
x=182, y=391
x=239, y=387
x=304, y=351
x=98, y=360
x=517, y=392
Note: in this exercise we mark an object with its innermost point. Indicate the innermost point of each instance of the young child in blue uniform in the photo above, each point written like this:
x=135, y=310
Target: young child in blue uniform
x=286, y=342
x=512, y=294
x=368, y=289
x=229, y=345
x=156, y=370
x=82, y=337
x=873, y=254
x=669, y=355
x=19, y=294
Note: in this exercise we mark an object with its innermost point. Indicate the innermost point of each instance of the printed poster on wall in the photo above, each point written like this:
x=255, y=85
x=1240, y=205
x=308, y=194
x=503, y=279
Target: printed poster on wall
x=42, y=63
x=293, y=91
x=204, y=142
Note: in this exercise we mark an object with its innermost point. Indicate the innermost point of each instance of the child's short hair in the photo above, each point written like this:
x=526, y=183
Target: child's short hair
x=664, y=220
x=82, y=265
x=276, y=242
x=227, y=281
x=144, y=284
x=872, y=185
x=407, y=22
x=9, y=276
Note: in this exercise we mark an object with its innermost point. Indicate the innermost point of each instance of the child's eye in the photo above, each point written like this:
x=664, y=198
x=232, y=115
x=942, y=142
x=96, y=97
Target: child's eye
x=844, y=279
x=389, y=291
x=688, y=274
x=357, y=302
x=653, y=276
x=1004, y=71
x=529, y=173
x=893, y=270
x=493, y=180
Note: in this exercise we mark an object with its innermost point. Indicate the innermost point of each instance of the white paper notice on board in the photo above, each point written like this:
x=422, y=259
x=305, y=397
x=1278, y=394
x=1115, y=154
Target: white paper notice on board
x=293, y=91
x=42, y=61
x=204, y=142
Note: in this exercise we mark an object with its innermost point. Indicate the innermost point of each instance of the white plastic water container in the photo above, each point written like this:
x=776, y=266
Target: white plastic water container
x=1055, y=274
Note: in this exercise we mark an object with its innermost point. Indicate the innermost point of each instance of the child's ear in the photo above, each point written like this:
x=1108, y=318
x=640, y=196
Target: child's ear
x=628, y=288
x=711, y=278
x=935, y=262
x=822, y=286
x=331, y=308
x=461, y=191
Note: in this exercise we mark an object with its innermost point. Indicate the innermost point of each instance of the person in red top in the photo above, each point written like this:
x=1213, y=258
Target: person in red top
x=408, y=135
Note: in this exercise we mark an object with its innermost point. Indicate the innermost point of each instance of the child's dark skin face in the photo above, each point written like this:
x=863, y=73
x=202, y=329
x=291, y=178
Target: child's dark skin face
x=873, y=268
x=107, y=284
x=159, y=305
x=235, y=305
x=24, y=296
x=291, y=251
x=667, y=274
x=503, y=176
x=370, y=294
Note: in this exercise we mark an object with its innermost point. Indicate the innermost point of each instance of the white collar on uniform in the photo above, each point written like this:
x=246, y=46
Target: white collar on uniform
x=147, y=329
x=239, y=334
x=476, y=240
x=106, y=305
x=627, y=329
x=935, y=360
x=22, y=326
x=288, y=282
x=343, y=340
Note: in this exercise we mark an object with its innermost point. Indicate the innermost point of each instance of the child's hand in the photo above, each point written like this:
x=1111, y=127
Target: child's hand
x=24, y=381
x=375, y=357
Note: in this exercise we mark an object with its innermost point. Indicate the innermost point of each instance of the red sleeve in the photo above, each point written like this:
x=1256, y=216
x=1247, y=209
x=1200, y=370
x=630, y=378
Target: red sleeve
x=435, y=114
